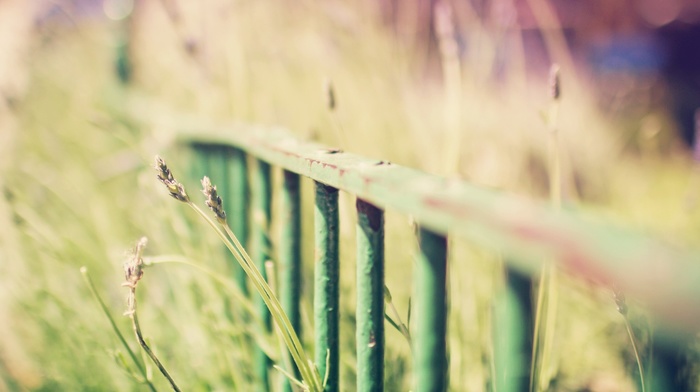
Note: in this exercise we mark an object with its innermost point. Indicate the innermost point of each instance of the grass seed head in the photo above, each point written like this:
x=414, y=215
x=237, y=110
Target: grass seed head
x=620, y=300
x=554, y=82
x=133, y=271
x=133, y=267
x=213, y=200
x=176, y=189
x=330, y=95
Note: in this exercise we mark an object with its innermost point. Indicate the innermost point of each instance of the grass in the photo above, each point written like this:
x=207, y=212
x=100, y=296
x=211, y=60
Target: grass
x=78, y=190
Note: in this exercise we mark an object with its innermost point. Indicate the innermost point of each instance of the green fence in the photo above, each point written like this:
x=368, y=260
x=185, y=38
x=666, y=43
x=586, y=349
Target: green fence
x=664, y=279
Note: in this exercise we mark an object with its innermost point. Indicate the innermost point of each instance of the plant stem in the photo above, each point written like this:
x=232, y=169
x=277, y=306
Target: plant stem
x=636, y=352
x=288, y=334
x=103, y=306
x=547, y=293
x=285, y=326
x=272, y=282
x=137, y=330
x=398, y=324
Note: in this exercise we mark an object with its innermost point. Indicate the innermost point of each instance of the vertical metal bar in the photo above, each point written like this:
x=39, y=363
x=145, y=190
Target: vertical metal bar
x=326, y=286
x=430, y=362
x=236, y=204
x=672, y=364
x=290, y=259
x=261, y=221
x=370, y=297
x=200, y=165
x=520, y=292
x=513, y=333
x=217, y=171
x=199, y=168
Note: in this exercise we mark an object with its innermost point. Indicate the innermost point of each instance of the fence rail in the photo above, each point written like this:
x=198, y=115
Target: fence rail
x=665, y=279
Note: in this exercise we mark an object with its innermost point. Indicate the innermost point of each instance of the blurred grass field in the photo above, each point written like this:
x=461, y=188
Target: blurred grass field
x=79, y=190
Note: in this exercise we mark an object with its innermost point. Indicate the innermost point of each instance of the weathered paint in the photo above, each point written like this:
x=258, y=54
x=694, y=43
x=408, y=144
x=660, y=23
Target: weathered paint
x=261, y=224
x=327, y=285
x=290, y=258
x=369, y=332
x=430, y=298
x=666, y=279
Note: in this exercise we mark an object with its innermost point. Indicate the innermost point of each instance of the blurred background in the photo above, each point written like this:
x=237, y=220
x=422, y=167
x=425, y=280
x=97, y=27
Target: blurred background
x=90, y=90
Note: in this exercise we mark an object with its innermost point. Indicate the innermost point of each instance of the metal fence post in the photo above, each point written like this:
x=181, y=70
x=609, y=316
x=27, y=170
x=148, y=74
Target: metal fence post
x=326, y=286
x=198, y=169
x=236, y=203
x=261, y=220
x=512, y=331
x=430, y=361
x=290, y=259
x=370, y=297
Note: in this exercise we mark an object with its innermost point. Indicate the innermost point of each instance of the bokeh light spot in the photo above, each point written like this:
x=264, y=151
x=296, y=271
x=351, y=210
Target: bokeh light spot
x=117, y=9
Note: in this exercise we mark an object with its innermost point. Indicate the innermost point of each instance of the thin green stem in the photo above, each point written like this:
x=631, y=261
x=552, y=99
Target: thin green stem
x=289, y=377
x=536, y=346
x=338, y=126
x=272, y=282
x=398, y=323
x=105, y=310
x=543, y=338
x=283, y=322
x=554, y=157
x=636, y=352
x=137, y=330
x=550, y=321
x=332, y=111
x=288, y=334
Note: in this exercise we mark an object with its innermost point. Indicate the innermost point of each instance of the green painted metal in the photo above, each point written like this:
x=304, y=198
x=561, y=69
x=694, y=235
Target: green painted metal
x=262, y=216
x=512, y=331
x=671, y=366
x=524, y=231
x=429, y=340
x=216, y=170
x=327, y=285
x=290, y=258
x=236, y=203
x=227, y=168
x=200, y=165
x=198, y=169
x=370, y=297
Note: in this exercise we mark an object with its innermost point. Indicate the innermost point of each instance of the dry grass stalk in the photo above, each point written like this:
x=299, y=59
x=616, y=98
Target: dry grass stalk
x=621, y=303
x=308, y=372
x=544, y=366
x=133, y=272
x=332, y=106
